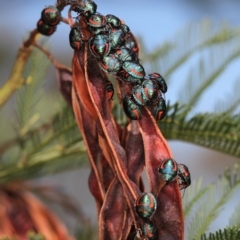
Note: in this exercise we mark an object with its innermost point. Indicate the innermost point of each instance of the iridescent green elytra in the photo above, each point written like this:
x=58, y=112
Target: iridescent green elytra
x=110, y=64
x=45, y=29
x=146, y=205
x=51, y=16
x=149, y=230
x=131, y=109
x=99, y=45
x=168, y=168
x=134, y=69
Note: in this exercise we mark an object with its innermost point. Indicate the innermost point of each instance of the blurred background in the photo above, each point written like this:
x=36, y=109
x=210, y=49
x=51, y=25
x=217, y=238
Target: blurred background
x=154, y=22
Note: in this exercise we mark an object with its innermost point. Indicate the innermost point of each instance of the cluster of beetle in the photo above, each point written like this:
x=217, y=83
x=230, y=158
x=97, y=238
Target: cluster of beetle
x=146, y=204
x=117, y=53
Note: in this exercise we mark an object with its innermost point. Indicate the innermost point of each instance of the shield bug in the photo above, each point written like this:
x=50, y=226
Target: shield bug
x=159, y=111
x=45, y=29
x=75, y=38
x=87, y=8
x=110, y=64
x=110, y=90
x=51, y=16
x=113, y=21
x=125, y=28
x=149, y=230
x=117, y=37
x=99, y=45
x=160, y=81
x=139, y=96
x=134, y=69
x=97, y=21
x=150, y=91
x=131, y=109
x=184, y=176
x=124, y=54
x=146, y=206
x=168, y=169
x=126, y=77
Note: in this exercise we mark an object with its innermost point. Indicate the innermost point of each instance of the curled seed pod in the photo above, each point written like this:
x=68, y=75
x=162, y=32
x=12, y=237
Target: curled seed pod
x=97, y=21
x=160, y=81
x=134, y=69
x=168, y=169
x=99, y=45
x=131, y=109
x=45, y=29
x=113, y=21
x=149, y=230
x=51, y=16
x=146, y=206
x=184, y=176
x=75, y=38
x=159, y=111
x=110, y=64
x=110, y=90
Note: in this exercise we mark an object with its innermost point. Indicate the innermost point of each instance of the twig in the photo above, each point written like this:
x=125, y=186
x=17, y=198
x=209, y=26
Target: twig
x=15, y=80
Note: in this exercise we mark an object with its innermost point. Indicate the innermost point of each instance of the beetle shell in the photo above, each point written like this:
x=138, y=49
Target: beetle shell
x=113, y=21
x=131, y=109
x=169, y=169
x=160, y=81
x=45, y=29
x=146, y=206
x=110, y=90
x=124, y=54
x=134, y=69
x=184, y=176
x=149, y=230
x=75, y=38
x=110, y=63
x=51, y=16
x=99, y=45
x=138, y=95
x=117, y=37
x=97, y=21
x=126, y=77
x=125, y=28
x=151, y=91
x=89, y=8
x=159, y=111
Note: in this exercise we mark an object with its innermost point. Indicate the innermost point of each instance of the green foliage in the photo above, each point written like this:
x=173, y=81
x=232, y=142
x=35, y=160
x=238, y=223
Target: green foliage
x=226, y=234
x=210, y=201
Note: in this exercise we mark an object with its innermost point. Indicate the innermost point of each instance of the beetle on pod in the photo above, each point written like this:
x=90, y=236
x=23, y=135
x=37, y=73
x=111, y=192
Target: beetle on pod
x=99, y=45
x=160, y=110
x=45, y=29
x=149, y=231
x=168, y=169
x=134, y=69
x=160, y=81
x=75, y=38
x=146, y=205
x=131, y=109
x=110, y=64
x=51, y=16
x=110, y=90
x=184, y=176
x=113, y=21
x=86, y=8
